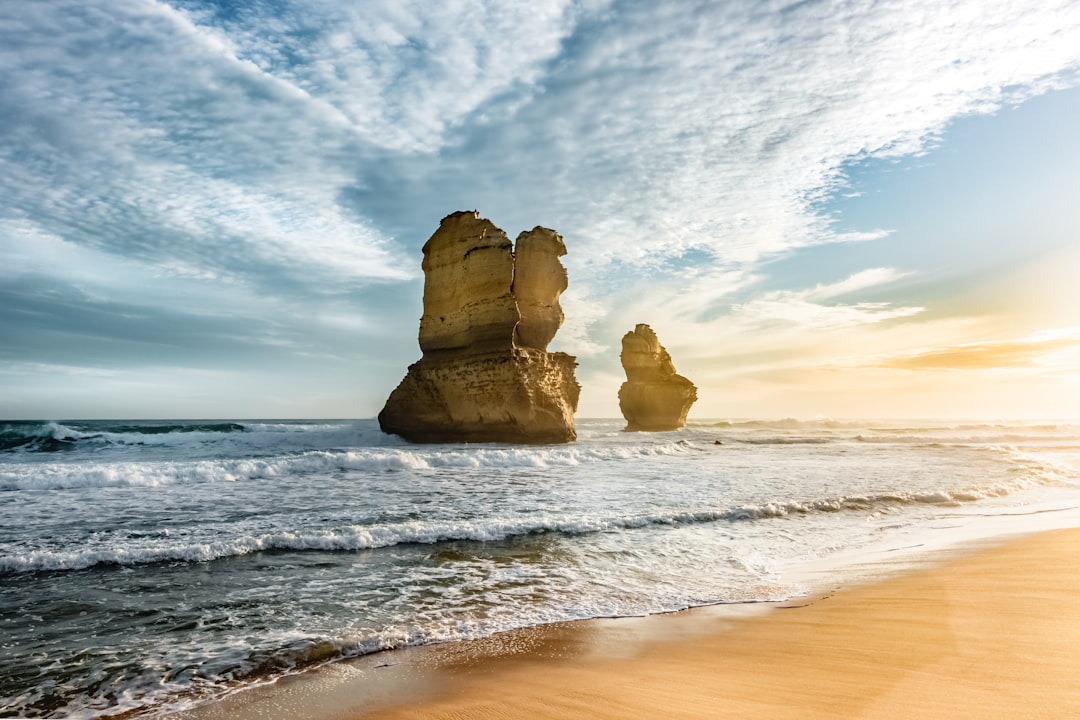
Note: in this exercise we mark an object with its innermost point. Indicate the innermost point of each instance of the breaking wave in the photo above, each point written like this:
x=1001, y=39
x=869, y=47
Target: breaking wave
x=67, y=436
x=53, y=476
x=161, y=547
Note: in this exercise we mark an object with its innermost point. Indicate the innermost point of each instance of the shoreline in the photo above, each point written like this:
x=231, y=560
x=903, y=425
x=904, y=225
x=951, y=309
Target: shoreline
x=986, y=629
x=990, y=632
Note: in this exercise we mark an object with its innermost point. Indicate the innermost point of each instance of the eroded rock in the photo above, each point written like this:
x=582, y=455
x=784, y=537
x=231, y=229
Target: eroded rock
x=654, y=397
x=539, y=280
x=468, y=272
x=489, y=314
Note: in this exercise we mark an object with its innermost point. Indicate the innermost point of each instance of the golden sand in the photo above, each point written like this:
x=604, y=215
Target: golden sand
x=994, y=633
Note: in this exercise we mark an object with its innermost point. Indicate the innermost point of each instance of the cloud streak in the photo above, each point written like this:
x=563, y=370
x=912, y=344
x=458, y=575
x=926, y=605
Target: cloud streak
x=401, y=74
x=1044, y=351
x=133, y=131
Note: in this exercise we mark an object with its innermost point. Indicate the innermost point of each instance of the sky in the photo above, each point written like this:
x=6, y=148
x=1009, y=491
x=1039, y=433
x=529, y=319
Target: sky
x=823, y=208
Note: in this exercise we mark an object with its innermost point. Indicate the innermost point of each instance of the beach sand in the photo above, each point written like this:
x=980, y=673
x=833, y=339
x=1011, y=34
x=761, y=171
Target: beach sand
x=991, y=632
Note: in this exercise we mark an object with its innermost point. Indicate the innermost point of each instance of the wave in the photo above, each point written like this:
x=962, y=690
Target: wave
x=40, y=437
x=58, y=476
x=54, y=436
x=161, y=547
x=95, y=435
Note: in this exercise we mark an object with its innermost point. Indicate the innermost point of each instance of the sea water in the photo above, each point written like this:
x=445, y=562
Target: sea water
x=152, y=565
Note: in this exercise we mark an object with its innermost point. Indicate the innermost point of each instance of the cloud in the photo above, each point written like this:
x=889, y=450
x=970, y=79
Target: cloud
x=402, y=73
x=1041, y=351
x=811, y=309
x=718, y=127
x=38, y=368
x=131, y=130
x=65, y=304
x=854, y=283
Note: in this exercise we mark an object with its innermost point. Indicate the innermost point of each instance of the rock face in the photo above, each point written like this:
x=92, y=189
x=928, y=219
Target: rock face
x=489, y=314
x=653, y=397
x=539, y=280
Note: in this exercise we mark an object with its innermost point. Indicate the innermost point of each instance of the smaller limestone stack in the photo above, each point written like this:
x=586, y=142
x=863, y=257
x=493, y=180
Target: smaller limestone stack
x=490, y=311
x=653, y=398
x=539, y=280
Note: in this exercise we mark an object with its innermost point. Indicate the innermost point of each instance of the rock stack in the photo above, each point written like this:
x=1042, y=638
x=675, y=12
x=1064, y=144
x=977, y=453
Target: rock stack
x=490, y=310
x=653, y=397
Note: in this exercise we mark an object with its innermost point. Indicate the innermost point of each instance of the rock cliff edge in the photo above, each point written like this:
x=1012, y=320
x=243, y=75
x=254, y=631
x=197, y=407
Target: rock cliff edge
x=653, y=397
x=490, y=310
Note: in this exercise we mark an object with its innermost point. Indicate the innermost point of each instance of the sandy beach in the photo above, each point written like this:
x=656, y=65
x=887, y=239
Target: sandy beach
x=991, y=633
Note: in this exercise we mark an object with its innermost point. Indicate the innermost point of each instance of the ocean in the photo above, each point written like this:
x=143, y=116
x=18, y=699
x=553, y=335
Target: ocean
x=148, y=566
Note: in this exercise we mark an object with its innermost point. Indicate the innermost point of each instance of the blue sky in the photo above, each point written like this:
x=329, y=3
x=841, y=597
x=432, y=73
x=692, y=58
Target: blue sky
x=823, y=208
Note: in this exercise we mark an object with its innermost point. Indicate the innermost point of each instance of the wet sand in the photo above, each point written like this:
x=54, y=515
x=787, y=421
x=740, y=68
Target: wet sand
x=991, y=632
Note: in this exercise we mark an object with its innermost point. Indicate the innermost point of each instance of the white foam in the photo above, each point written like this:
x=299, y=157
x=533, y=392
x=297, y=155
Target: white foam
x=162, y=547
x=63, y=475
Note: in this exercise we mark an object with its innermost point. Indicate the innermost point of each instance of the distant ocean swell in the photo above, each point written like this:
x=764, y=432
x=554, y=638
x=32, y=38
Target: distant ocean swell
x=906, y=428
x=51, y=476
x=68, y=438
x=171, y=545
x=55, y=437
x=794, y=432
x=61, y=475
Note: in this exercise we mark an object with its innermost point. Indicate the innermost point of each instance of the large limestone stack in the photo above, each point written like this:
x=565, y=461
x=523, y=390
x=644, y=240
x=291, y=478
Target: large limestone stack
x=468, y=270
x=489, y=314
x=653, y=397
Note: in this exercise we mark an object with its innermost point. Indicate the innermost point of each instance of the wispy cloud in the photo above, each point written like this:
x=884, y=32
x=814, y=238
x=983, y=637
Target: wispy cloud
x=1047, y=350
x=862, y=280
x=402, y=74
x=37, y=369
x=816, y=309
x=130, y=129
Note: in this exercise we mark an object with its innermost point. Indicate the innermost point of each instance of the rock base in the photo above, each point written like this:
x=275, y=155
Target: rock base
x=656, y=406
x=521, y=395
